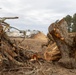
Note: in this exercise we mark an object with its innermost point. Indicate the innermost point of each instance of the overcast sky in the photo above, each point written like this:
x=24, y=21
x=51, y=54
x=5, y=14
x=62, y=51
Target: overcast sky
x=36, y=14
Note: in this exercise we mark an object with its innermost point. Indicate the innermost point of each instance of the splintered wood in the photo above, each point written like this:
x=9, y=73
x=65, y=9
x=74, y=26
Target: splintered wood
x=52, y=53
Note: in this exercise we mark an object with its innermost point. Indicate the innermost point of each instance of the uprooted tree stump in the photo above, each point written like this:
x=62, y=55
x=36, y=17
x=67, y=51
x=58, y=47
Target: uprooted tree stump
x=10, y=51
x=64, y=42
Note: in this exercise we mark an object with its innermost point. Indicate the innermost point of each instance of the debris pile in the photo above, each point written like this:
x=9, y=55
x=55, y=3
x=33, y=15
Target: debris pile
x=9, y=50
x=60, y=46
x=40, y=36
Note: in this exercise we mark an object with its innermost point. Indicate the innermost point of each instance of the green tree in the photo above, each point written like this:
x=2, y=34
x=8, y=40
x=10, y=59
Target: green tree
x=74, y=23
x=68, y=19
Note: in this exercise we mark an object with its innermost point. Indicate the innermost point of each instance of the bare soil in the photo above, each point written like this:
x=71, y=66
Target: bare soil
x=40, y=67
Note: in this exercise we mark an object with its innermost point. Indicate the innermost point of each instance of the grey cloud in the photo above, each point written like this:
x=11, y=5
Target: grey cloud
x=36, y=13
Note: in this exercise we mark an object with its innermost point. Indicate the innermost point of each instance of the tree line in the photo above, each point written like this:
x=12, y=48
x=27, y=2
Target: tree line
x=71, y=21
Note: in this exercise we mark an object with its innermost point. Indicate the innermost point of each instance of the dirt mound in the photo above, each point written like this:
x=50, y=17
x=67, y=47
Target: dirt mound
x=40, y=36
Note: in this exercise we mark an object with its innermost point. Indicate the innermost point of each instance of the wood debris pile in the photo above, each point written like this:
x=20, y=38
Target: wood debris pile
x=10, y=52
x=62, y=47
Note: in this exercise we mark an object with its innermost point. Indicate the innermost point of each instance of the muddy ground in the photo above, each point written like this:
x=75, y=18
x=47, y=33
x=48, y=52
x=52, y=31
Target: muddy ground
x=40, y=67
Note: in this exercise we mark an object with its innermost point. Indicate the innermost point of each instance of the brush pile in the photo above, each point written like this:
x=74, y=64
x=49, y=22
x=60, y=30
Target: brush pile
x=62, y=46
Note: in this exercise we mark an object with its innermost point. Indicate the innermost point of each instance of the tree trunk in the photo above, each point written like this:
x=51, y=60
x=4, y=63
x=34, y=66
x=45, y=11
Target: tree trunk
x=60, y=35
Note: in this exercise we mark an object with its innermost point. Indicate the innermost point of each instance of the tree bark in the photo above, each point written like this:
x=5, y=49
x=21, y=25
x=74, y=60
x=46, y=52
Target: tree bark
x=60, y=35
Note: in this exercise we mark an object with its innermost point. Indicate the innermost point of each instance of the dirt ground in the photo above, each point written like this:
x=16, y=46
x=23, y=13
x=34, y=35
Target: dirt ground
x=40, y=67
